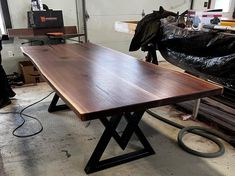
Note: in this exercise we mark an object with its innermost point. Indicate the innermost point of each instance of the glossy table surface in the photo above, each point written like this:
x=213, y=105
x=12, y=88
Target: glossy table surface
x=97, y=82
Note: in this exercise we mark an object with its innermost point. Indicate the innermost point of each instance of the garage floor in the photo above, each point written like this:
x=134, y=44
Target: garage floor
x=66, y=143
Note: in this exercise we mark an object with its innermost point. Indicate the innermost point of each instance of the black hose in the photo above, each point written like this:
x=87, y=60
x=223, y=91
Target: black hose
x=207, y=133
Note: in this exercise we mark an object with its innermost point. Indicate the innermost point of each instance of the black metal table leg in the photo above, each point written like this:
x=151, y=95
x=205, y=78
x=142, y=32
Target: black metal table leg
x=94, y=164
x=53, y=107
x=152, y=54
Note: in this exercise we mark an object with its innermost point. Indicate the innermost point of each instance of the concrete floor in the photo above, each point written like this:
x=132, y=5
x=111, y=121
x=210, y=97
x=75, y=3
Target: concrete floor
x=66, y=143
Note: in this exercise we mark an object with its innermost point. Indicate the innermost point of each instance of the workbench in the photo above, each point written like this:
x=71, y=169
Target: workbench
x=41, y=33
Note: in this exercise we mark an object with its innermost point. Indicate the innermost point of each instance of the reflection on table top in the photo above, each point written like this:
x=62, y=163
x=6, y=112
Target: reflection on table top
x=96, y=81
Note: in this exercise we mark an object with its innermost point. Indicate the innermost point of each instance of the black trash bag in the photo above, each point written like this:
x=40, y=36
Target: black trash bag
x=210, y=55
x=218, y=69
x=198, y=43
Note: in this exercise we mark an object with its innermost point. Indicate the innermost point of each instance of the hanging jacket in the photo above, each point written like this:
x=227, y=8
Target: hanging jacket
x=148, y=29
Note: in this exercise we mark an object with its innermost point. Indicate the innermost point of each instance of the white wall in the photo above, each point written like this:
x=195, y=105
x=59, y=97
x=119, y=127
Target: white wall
x=199, y=5
x=103, y=14
x=18, y=12
x=231, y=8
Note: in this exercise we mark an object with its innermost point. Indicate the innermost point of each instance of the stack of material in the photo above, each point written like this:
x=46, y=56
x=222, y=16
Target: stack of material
x=216, y=114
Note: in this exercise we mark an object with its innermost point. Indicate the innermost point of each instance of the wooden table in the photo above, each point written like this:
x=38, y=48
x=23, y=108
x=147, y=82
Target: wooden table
x=97, y=82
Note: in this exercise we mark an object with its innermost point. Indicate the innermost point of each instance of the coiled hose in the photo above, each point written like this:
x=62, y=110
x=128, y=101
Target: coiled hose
x=207, y=133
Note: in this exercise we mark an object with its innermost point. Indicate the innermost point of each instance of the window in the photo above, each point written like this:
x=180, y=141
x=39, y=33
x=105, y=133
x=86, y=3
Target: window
x=223, y=4
x=5, y=21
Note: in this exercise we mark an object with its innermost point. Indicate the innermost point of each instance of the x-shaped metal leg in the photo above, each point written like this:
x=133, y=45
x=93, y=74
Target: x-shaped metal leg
x=133, y=119
x=54, y=107
x=94, y=164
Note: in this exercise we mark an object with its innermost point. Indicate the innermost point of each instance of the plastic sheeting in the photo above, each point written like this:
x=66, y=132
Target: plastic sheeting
x=218, y=69
x=210, y=55
x=198, y=43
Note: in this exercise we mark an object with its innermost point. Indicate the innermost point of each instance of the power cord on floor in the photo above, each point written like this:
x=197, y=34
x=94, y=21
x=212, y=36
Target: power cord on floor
x=207, y=133
x=21, y=114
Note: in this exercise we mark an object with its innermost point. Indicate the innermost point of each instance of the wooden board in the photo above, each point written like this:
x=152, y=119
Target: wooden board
x=97, y=82
x=126, y=26
x=29, y=32
x=215, y=114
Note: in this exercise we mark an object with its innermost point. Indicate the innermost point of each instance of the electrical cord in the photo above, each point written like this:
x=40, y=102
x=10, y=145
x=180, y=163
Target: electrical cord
x=22, y=114
x=207, y=133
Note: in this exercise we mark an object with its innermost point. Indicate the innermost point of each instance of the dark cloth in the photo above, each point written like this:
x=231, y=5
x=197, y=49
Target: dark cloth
x=5, y=88
x=210, y=55
x=147, y=29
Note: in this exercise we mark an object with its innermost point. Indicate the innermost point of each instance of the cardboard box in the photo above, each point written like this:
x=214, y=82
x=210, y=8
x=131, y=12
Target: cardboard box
x=30, y=73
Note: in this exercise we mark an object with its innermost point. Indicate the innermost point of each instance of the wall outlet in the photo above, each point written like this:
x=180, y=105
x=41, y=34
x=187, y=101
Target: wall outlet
x=10, y=53
x=205, y=4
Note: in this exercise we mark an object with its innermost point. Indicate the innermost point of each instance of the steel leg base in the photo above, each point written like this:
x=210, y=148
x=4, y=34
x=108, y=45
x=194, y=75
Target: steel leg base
x=53, y=107
x=94, y=164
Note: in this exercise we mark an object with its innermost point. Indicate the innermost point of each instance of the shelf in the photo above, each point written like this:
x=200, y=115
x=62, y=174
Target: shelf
x=125, y=26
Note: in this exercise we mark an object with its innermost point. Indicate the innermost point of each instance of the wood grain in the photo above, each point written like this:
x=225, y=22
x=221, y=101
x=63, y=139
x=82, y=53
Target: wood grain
x=96, y=81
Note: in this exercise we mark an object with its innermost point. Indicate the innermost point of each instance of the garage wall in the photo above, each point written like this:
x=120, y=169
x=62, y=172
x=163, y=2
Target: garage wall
x=18, y=10
x=199, y=5
x=103, y=14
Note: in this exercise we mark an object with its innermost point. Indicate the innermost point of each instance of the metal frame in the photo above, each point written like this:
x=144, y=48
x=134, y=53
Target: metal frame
x=6, y=14
x=196, y=108
x=152, y=54
x=54, y=107
x=94, y=164
x=133, y=118
x=84, y=18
